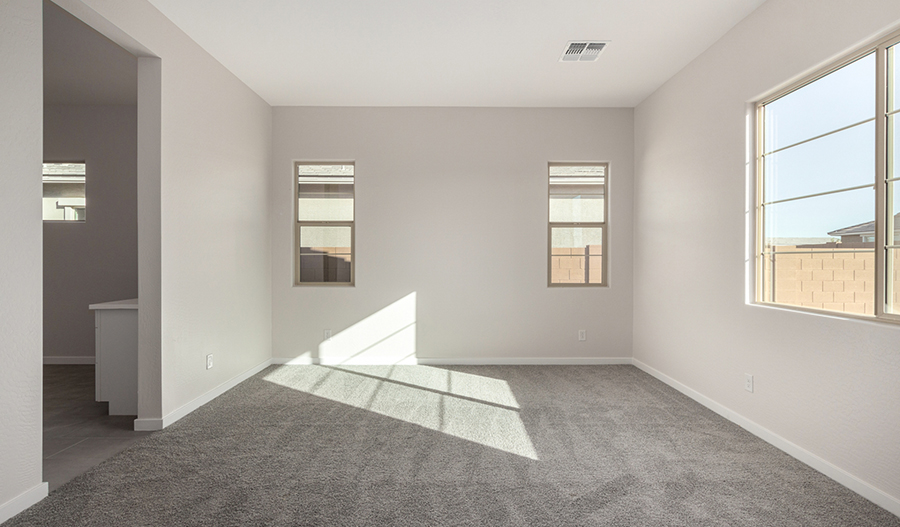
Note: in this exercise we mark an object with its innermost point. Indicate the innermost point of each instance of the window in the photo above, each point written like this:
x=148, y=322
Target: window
x=826, y=184
x=64, y=192
x=323, y=233
x=577, y=229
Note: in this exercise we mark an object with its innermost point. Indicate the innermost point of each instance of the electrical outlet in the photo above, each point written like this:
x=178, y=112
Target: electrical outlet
x=209, y=361
x=748, y=382
x=582, y=334
x=327, y=334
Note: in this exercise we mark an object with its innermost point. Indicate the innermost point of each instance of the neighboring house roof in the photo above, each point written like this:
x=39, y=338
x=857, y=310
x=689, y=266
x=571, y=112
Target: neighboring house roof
x=862, y=228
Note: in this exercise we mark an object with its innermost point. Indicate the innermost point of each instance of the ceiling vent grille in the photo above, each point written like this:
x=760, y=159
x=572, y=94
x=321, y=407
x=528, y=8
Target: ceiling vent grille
x=583, y=50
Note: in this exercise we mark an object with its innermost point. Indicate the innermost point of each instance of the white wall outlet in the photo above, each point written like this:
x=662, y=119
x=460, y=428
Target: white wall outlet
x=209, y=361
x=748, y=382
x=327, y=334
x=582, y=334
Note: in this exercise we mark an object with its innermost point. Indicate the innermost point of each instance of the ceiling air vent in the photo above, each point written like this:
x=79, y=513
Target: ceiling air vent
x=583, y=50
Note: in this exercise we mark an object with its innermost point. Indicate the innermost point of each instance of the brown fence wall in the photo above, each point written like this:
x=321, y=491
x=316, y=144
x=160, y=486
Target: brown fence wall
x=577, y=265
x=825, y=279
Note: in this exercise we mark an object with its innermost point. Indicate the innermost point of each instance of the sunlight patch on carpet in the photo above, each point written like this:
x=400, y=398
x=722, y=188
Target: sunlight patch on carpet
x=470, y=407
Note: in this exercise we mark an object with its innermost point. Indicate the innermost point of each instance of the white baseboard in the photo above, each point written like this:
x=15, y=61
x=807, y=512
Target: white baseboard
x=23, y=501
x=523, y=361
x=296, y=361
x=496, y=361
x=148, y=425
x=168, y=419
x=873, y=494
x=88, y=359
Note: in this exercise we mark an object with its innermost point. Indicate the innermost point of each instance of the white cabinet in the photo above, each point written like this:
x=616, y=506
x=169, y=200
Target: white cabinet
x=116, y=329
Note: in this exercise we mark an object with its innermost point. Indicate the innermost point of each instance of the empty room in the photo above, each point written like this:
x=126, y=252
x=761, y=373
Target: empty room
x=458, y=263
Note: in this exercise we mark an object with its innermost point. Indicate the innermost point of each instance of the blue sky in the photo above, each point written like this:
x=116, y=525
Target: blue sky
x=845, y=159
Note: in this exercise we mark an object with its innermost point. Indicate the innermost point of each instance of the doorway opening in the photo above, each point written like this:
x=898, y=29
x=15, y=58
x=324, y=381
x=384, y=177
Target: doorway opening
x=89, y=234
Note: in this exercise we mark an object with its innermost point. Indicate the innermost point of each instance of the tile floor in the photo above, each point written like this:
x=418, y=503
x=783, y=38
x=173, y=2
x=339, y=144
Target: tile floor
x=78, y=431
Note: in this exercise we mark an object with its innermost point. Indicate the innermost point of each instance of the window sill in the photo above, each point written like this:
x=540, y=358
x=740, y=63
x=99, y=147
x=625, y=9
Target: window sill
x=553, y=286
x=324, y=284
x=885, y=319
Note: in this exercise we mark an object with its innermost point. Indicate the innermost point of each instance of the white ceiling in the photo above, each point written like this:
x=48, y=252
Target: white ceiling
x=81, y=66
x=453, y=52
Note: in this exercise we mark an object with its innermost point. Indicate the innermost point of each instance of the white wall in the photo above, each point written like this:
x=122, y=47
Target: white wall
x=825, y=384
x=215, y=139
x=451, y=203
x=20, y=265
x=95, y=261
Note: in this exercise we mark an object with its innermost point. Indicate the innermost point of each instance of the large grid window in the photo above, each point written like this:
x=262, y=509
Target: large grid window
x=826, y=183
x=324, y=232
x=64, y=198
x=577, y=231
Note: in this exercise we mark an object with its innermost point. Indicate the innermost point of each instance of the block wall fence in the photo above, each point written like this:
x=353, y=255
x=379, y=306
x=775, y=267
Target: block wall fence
x=576, y=265
x=824, y=278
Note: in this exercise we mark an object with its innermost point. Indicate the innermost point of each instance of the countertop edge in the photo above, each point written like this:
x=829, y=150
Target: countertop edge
x=131, y=303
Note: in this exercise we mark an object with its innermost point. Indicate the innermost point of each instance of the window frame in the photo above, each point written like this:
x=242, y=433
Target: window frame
x=327, y=223
x=881, y=207
x=603, y=226
x=66, y=162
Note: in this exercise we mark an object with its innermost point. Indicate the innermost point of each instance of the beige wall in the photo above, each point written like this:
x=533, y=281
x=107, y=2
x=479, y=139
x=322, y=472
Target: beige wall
x=452, y=204
x=825, y=385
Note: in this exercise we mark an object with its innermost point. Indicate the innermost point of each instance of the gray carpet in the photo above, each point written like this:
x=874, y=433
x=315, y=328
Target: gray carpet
x=418, y=446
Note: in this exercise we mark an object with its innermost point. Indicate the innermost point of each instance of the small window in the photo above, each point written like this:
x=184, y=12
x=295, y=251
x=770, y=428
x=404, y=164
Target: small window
x=324, y=232
x=577, y=230
x=64, y=192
